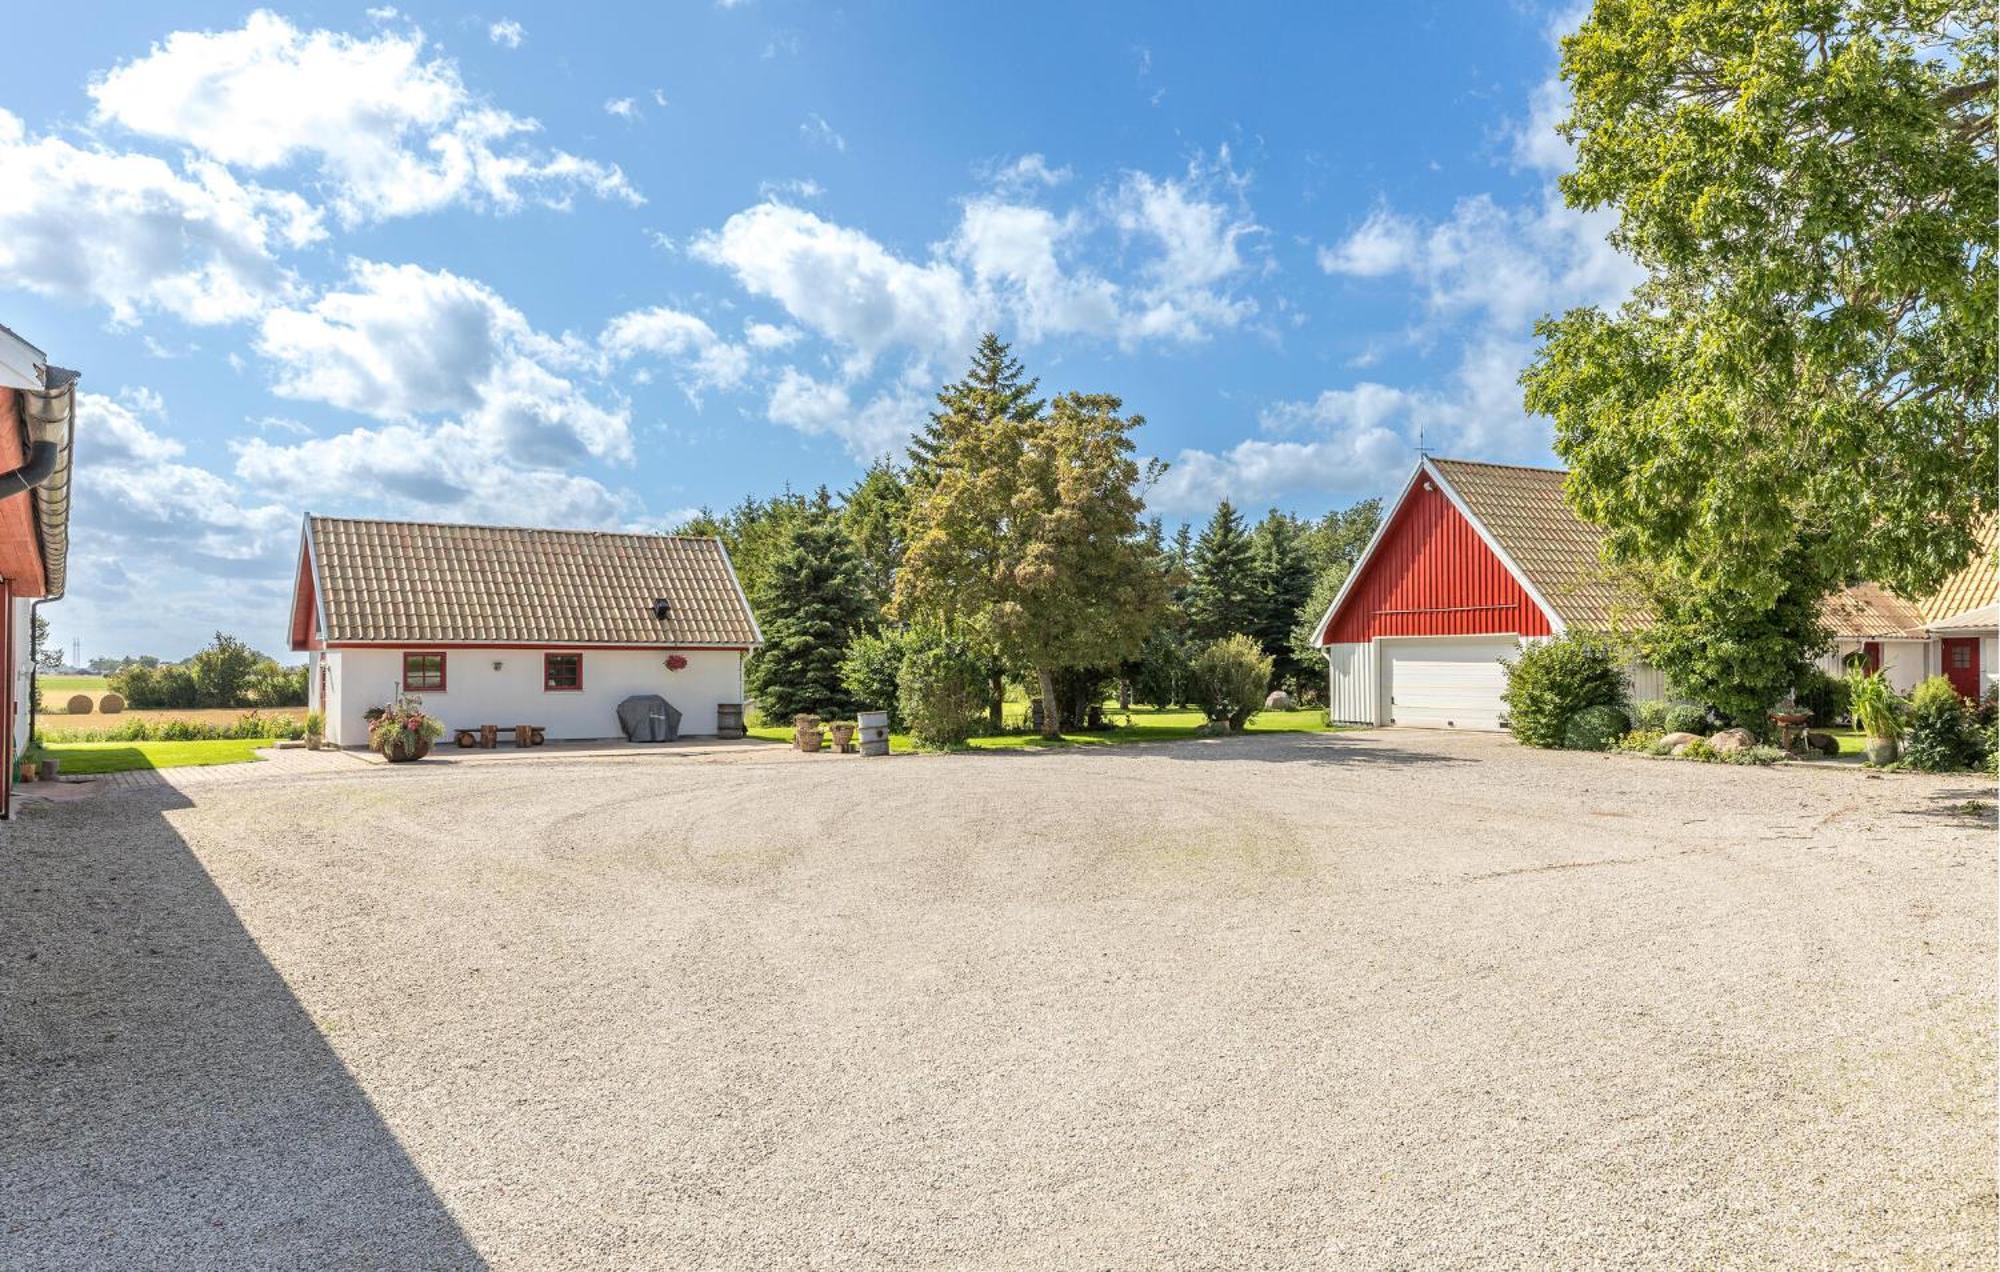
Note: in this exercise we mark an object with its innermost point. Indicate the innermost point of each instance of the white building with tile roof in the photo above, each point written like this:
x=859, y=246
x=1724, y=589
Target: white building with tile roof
x=515, y=626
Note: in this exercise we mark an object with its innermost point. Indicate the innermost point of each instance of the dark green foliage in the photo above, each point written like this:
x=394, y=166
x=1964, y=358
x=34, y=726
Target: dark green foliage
x=1164, y=676
x=1552, y=680
x=227, y=673
x=1080, y=695
x=996, y=386
x=1824, y=696
x=870, y=671
x=1656, y=715
x=1595, y=729
x=942, y=691
x=1942, y=734
x=1283, y=579
x=1231, y=677
x=1305, y=627
x=873, y=514
x=1222, y=589
x=1337, y=539
x=754, y=532
x=811, y=609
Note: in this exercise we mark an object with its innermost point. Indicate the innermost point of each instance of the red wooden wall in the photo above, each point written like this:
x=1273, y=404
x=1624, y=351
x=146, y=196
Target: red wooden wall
x=1432, y=575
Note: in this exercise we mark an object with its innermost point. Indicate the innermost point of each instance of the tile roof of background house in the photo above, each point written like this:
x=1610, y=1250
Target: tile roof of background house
x=418, y=582
x=1524, y=511
x=1972, y=587
x=1868, y=612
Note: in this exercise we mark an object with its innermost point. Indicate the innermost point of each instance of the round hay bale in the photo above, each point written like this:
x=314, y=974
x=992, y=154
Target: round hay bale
x=111, y=704
x=78, y=704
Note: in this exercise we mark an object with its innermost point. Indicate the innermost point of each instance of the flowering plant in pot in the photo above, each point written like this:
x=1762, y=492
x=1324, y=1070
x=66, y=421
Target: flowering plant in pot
x=676, y=662
x=403, y=731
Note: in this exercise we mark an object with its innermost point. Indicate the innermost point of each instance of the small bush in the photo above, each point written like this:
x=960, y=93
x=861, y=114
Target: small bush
x=941, y=692
x=1658, y=715
x=1595, y=729
x=870, y=671
x=1824, y=696
x=1230, y=677
x=1553, y=680
x=1641, y=741
x=1943, y=733
x=1699, y=749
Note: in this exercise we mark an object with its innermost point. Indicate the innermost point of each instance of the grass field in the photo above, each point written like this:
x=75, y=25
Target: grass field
x=121, y=757
x=57, y=722
x=56, y=688
x=1148, y=725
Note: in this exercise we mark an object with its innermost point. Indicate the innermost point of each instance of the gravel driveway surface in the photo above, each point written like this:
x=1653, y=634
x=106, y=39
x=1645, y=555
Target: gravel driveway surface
x=1382, y=998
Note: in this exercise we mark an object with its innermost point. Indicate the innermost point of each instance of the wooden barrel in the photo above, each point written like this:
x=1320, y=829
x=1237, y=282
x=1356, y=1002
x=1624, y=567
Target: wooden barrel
x=874, y=732
x=729, y=720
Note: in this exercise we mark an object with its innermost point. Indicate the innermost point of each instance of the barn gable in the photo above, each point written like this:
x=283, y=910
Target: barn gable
x=1431, y=572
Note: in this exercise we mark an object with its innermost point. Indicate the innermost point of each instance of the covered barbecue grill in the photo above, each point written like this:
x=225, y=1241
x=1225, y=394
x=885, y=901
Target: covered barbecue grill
x=647, y=717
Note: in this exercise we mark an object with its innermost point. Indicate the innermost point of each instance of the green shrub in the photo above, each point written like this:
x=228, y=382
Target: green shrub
x=1823, y=695
x=1231, y=677
x=941, y=692
x=1943, y=733
x=1641, y=741
x=1699, y=749
x=870, y=671
x=1553, y=680
x=1661, y=716
x=1164, y=677
x=1595, y=729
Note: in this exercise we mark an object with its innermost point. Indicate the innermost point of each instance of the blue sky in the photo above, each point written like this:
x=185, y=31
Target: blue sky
x=600, y=265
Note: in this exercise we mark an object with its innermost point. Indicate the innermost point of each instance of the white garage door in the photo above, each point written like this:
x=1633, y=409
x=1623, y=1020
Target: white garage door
x=1447, y=684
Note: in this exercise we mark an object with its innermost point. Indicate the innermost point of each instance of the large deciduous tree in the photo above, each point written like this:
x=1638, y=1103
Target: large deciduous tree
x=1028, y=531
x=1809, y=185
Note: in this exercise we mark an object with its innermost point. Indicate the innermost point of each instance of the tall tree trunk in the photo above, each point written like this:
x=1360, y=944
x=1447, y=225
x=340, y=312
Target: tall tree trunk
x=1051, y=705
x=997, y=704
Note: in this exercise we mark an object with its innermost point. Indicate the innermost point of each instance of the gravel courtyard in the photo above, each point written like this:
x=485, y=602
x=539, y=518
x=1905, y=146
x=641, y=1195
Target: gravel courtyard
x=1369, y=999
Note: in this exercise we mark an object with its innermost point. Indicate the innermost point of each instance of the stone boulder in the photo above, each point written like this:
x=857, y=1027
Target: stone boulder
x=1278, y=700
x=1675, y=743
x=1733, y=740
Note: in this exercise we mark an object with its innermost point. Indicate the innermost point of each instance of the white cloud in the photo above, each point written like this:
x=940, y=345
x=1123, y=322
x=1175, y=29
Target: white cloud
x=1364, y=407
x=659, y=97
x=707, y=360
x=129, y=232
x=1385, y=243
x=816, y=129
x=1012, y=250
x=625, y=108
x=402, y=343
x=389, y=132
x=840, y=282
x=764, y=335
x=1028, y=172
x=881, y=426
x=1198, y=234
x=507, y=33
x=1255, y=471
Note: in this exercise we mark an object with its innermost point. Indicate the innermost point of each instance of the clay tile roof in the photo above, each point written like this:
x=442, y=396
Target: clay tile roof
x=1868, y=612
x=1523, y=509
x=418, y=582
x=1972, y=587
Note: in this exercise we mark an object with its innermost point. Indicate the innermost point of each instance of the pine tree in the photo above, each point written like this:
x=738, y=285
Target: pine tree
x=1284, y=579
x=993, y=388
x=872, y=515
x=1222, y=592
x=811, y=607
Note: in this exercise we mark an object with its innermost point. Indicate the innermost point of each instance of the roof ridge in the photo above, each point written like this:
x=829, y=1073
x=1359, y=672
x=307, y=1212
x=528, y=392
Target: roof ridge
x=482, y=525
x=1487, y=463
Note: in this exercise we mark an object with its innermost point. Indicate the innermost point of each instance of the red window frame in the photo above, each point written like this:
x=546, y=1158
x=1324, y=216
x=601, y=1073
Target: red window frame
x=408, y=686
x=548, y=685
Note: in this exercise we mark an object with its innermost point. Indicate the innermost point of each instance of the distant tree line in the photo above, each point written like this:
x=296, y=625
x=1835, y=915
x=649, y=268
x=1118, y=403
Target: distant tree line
x=1012, y=548
x=226, y=673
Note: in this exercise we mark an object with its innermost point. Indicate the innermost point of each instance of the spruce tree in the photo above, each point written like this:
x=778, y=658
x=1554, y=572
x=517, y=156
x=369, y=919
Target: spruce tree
x=811, y=606
x=873, y=515
x=1223, y=589
x=995, y=387
x=1284, y=579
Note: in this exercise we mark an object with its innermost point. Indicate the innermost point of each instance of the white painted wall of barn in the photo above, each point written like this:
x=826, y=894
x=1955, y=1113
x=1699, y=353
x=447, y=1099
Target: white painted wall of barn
x=477, y=693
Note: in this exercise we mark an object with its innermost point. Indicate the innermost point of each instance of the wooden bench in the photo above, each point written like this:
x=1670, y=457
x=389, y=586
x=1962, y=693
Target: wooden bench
x=487, y=736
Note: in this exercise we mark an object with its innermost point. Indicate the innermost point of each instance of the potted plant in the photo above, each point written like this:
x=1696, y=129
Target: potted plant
x=1878, y=711
x=315, y=730
x=403, y=732
x=843, y=736
x=806, y=733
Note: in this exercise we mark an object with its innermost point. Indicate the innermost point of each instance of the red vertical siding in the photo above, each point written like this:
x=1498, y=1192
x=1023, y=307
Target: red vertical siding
x=1432, y=575
x=7, y=694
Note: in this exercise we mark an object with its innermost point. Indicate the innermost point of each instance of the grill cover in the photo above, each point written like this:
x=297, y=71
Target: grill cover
x=647, y=717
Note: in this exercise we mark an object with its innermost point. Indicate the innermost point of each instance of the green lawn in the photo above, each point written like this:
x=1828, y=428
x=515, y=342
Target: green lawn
x=1850, y=740
x=1148, y=725
x=121, y=757
x=62, y=686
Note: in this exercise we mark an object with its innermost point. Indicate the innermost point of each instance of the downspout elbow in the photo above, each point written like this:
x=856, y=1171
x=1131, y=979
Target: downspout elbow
x=41, y=465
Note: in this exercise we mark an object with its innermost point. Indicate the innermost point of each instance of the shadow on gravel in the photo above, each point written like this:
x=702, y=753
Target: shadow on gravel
x=1969, y=806
x=167, y=1101
x=1330, y=749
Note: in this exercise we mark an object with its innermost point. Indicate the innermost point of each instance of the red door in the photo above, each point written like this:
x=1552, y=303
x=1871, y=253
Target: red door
x=1871, y=657
x=1961, y=664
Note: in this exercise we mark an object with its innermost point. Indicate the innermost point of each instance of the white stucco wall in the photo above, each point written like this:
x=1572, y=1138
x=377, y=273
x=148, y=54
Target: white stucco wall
x=22, y=671
x=1906, y=662
x=476, y=693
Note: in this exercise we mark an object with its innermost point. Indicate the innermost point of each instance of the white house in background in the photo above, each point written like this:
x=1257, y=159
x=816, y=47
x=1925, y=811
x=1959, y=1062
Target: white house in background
x=505, y=625
x=1475, y=559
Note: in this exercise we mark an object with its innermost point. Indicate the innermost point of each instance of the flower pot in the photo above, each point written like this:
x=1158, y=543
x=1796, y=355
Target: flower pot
x=843, y=738
x=406, y=750
x=50, y=768
x=29, y=770
x=811, y=739
x=1879, y=750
